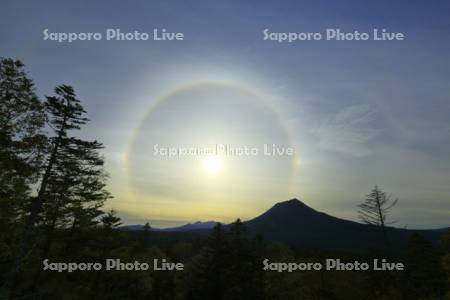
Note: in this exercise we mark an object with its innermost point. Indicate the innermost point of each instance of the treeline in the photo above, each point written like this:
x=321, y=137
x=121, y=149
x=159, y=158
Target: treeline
x=50, y=179
x=52, y=191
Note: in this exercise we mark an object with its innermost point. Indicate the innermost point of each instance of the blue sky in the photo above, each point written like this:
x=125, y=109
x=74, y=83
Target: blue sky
x=360, y=113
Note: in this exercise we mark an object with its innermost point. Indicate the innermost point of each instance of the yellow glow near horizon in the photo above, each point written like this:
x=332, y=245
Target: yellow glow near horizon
x=215, y=186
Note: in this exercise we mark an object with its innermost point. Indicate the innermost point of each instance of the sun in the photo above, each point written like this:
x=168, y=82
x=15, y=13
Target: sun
x=213, y=165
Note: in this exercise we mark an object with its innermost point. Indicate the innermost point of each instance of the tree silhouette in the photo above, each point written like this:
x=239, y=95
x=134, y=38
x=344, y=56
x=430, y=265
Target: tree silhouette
x=209, y=269
x=52, y=187
x=147, y=227
x=425, y=277
x=22, y=142
x=246, y=278
x=375, y=209
x=229, y=266
x=111, y=221
x=72, y=174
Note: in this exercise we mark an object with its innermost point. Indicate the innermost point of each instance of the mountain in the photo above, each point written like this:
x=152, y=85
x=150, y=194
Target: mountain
x=294, y=223
x=193, y=226
x=187, y=227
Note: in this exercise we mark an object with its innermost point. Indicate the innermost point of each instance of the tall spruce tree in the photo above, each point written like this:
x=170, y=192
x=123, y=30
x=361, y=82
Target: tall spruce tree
x=21, y=148
x=21, y=141
x=229, y=266
x=75, y=192
x=246, y=278
x=209, y=271
x=425, y=275
x=72, y=177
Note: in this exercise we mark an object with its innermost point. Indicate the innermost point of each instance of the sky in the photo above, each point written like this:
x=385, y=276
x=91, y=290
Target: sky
x=356, y=113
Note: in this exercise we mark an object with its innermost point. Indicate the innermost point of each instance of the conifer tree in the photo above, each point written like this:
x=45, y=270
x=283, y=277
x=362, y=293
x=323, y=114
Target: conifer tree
x=111, y=221
x=209, y=275
x=72, y=177
x=21, y=140
x=21, y=148
x=375, y=209
x=425, y=276
x=76, y=189
x=245, y=273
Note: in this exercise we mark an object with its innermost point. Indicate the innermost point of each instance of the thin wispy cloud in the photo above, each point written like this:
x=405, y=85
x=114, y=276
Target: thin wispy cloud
x=349, y=131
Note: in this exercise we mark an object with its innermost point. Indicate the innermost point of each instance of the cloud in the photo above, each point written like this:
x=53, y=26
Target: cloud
x=348, y=131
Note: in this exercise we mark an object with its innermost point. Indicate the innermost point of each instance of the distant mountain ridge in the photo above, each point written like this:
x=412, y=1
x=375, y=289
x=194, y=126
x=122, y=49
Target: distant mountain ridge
x=187, y=227
x=296, y=224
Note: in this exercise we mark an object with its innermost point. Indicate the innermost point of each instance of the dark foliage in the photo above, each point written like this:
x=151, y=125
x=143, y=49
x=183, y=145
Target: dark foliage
x=52, y=191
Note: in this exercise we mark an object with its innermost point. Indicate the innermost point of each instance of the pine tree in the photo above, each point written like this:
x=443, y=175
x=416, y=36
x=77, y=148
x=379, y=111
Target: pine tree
x=110, y=221
x=21, y=148
x=425, y=277
x=209, y=275
x=72, y=177
x=108, y=240
x=245, y=272
x=229, y=266
x=76, y=187
x=21, y=140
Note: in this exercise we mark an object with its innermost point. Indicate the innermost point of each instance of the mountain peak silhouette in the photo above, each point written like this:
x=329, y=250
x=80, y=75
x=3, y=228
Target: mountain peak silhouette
x=290, y=209
x=296, y=224
x=294, y=202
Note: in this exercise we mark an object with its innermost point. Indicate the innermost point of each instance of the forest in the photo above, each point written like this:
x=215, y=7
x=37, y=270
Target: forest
x=53, y=187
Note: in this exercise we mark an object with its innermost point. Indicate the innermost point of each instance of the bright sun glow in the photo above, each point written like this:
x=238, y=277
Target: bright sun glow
x=213, y=165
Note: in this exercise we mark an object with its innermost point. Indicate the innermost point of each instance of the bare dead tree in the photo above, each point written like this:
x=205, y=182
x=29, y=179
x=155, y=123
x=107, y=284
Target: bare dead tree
x=375, y=210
